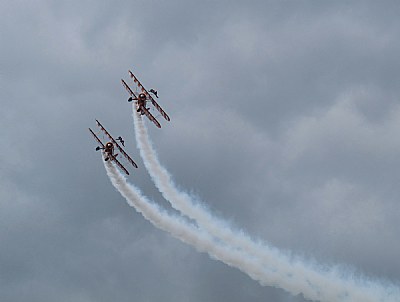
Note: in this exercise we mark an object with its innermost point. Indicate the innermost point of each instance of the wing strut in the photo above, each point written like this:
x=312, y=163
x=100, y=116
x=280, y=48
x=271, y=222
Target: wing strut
x=96, y=138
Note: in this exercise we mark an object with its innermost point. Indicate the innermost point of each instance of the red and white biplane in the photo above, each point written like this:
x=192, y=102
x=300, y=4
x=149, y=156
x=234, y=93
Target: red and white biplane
x=141, y=97
x=108, y=148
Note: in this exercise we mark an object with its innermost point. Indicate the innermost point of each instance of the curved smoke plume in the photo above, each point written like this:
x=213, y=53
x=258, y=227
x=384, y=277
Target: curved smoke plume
x=312, y=281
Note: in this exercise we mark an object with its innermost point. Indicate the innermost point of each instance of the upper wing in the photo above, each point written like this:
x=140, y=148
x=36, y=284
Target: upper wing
x=155, y=104
x=128, y=89
x=116, y=144
x=113, y=158
x=95, y=136
x=150, y=116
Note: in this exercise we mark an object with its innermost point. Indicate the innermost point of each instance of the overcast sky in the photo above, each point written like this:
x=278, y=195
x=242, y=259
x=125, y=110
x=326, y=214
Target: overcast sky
x=285, y=121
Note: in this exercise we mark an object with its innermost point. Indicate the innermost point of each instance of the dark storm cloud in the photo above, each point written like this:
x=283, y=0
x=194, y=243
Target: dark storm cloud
x=284, y=121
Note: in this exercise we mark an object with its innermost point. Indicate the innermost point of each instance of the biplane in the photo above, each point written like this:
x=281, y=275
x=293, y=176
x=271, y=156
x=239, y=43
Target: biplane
x=141, y=97
x=108, y=148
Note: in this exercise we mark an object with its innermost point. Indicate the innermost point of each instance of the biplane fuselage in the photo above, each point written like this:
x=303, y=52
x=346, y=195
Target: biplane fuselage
x=109, y=149
x=141, y=101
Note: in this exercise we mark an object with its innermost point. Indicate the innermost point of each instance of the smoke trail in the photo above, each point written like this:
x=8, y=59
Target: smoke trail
x=187, y=233
x=204, y=243
x=328, y=285
x=182, y=202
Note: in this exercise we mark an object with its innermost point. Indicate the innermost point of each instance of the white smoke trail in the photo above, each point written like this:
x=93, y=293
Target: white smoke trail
x=189, y=234
x=204, y=243
x=328, y=285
